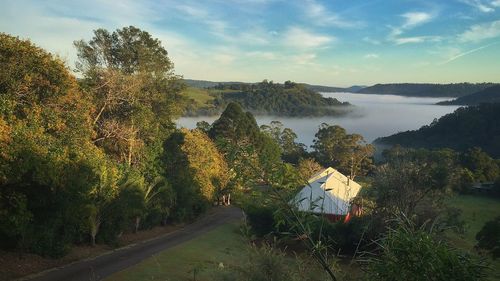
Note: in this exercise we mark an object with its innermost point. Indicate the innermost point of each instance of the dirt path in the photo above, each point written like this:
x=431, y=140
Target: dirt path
x=109, y=263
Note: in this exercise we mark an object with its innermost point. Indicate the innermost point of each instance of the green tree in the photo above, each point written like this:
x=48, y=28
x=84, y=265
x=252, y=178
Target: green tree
x=307, y=168
x=46, y=127
x=286, y=138
x=346, y=152
x=131, y=81
x=197, y=170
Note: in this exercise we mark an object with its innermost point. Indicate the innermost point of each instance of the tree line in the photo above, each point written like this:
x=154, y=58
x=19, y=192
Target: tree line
x=467, y=127
x=267, y=97
x=426, y=89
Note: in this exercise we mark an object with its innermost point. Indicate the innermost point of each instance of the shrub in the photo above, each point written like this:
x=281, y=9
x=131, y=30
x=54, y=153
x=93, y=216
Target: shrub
x=489, y=237
x=413, y=254
x=260, y=218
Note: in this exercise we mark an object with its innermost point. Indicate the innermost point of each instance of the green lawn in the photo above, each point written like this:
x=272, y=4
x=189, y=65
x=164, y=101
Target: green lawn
x=201, y=96
x=203, y=254
x=476, y=210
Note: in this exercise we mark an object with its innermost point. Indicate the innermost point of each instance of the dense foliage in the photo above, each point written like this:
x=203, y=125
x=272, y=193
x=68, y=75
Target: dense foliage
x=82, y=162
x=410, y=253
x=426, y=90
x=197, y=171
x=348, y=153
x=488, y=95
x=467, y=127
x=288, y=99
x=488, y=238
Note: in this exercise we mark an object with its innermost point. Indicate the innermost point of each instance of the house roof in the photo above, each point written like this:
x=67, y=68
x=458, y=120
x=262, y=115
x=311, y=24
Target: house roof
x=328, y=192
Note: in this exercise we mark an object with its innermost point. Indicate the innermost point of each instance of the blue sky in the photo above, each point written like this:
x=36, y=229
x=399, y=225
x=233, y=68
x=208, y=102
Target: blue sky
x=335, y=42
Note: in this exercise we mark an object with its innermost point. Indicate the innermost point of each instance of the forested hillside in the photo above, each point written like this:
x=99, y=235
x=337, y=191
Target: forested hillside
x=426, y=90
x=488, y=95
x=288, y=99
x=467, y=127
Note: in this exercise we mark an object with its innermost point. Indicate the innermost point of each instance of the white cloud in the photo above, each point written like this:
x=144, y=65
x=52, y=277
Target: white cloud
x=483, y=6
x=300, y=38
x=320, y=15
x=415, y=18
x=412, y=20
x=371, y=56
x=416, y=39
x=481, y=32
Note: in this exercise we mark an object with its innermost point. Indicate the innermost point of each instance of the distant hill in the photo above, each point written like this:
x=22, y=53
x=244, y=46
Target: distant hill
x=288, y=99
x=467, y=127
x=426, y=90
x=203, y=84
x=488, y=95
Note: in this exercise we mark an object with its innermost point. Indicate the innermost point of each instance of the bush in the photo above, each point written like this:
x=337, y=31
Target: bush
x=413, y=254
x=489, y=237
x=260, y=218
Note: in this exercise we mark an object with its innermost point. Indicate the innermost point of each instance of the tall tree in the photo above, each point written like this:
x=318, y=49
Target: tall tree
x=137, y=95
x=198, y=171
x=286, y=138
x=348, y=153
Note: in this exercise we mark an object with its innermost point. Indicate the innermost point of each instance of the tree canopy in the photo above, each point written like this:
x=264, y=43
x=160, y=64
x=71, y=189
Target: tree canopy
x=348, y=153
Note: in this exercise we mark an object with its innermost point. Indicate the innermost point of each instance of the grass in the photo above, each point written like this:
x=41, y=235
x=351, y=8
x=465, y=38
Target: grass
x=476, y=211
x=200, y=256
x=200, y=96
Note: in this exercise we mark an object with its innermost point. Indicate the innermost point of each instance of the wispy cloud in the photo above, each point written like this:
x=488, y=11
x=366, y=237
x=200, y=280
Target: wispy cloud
x=468, y=53
x=416, y=39
x=412, y=20
x=415, y=18
x=483, y=6
x=301, y=38
x=480, y=32
x=320, y=15
x=371, y=56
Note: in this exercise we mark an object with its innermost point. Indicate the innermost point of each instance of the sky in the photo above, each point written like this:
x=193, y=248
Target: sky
x=330, y=42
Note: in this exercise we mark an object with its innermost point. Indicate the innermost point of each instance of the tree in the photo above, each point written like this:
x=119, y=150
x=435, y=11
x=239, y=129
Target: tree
x=130, y=78
x=481, y=164
x=45, y=141
x=414, y=181
x=346, y=152
x=307, y=168
x=238, y=137
x=234, y=125
x=197, y=170
x=286, y=138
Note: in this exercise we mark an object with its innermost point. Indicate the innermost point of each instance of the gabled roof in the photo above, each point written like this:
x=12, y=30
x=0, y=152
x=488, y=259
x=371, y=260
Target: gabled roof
x=328, y=192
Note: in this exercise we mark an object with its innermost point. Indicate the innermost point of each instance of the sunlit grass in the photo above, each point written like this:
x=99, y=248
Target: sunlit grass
x=200, y=256
x=476, y=211
x=200, y=96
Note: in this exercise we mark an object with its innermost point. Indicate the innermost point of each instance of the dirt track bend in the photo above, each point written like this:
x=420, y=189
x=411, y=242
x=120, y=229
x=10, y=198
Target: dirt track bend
x=117, y=260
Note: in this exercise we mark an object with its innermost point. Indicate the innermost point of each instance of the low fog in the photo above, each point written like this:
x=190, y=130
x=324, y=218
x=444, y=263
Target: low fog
x=372, y=116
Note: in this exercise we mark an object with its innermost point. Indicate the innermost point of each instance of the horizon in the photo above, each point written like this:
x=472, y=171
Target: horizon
x=331, y=43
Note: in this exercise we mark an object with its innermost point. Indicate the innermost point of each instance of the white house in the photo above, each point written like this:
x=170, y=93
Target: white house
x=328, y=192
